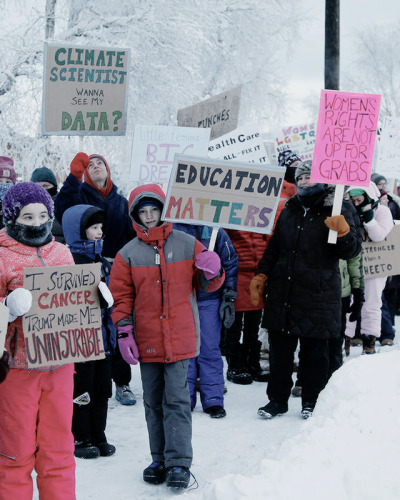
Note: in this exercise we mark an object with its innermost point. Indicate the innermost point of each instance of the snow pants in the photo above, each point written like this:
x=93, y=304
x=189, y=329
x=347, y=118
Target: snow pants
x=35, y=433
x=208, y=365
x=371, y=314
x=89, y=420
x=166, y=401
x=314, y=367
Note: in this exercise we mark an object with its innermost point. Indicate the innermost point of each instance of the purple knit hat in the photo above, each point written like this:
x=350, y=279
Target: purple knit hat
x=22, y=194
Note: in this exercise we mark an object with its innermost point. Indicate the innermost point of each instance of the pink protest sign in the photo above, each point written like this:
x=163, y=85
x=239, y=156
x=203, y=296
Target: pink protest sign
x=345, y=141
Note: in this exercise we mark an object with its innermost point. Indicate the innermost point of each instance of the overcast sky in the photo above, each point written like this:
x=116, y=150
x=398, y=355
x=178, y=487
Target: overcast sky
x=307, y=64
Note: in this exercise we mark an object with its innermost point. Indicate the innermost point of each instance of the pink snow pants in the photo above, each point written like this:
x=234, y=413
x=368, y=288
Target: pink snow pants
x=371, y=313
x=35, y=433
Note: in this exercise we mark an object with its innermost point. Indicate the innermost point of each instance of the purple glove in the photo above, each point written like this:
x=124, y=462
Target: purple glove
x=209, y=262
x=4, y=366
x=127, y=344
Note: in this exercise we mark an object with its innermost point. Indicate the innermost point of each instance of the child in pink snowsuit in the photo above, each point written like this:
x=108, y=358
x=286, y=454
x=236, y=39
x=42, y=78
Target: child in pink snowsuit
x=35, y=405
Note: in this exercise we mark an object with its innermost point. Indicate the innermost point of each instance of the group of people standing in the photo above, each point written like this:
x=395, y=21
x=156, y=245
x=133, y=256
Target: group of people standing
x=171, y=304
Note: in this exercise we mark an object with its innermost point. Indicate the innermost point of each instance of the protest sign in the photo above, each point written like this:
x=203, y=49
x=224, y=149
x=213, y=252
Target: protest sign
x=4, y=312
x=243, y=144
x=64, y=323
x=219, y=113
x=380, y=258
x=345, y=140
x=298, y=138
x=223, y=194
x=84, y=90
x=389, y=148
x=154, y=147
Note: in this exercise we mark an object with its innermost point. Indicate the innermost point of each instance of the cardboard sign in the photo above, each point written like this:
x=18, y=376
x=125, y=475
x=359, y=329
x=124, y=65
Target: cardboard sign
x=4, y=312
x=219, y=113
x=243, y=144
x=345, y=140
x=154, y=148
x=389, y=148
x=64, y=323
x=298, y=138
x=223, y=194
x=84, y=90
x=381, y=258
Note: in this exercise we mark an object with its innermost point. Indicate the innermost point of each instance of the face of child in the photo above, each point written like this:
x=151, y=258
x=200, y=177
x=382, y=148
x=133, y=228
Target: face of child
x=357, y=200
x=46, y=185
x=149, y=216
x=34, y=214
x=4, y=180
x=95, y=232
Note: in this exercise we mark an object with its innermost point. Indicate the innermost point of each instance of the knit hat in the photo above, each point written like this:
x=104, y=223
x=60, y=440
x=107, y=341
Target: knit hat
x=286, y=158
x=148, y=201
x=44, y=174
x=6, y=169
x=356, y=192
x=303, y=168
x=22, y=194
x=377, y=178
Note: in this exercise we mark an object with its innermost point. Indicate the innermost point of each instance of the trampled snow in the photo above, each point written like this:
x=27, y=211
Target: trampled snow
x=348, y=450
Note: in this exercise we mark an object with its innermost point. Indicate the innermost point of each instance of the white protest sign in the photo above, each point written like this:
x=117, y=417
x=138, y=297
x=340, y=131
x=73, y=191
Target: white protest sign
x=85, y=90
x=243, y=144
x=219, y=113
x=389, y=148
x=154, y=147
x=297, y=138
x=223, y=194
x=380, y=258
x=64, y=323
x=4, y=312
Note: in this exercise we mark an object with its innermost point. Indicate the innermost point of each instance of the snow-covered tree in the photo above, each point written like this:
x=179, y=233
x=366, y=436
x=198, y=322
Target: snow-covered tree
x=182, y=52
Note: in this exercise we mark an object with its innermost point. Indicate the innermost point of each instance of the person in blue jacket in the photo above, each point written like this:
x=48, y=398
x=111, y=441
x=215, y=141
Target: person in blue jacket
x=97, y=189
x=84, y=227
x=215, y=309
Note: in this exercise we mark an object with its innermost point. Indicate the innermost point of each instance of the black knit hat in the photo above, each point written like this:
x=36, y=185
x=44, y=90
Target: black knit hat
x=93, y=215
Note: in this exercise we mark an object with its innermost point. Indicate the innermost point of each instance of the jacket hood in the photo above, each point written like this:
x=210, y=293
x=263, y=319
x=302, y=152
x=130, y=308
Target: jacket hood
x=371, y=190
x=74, y=226
x=145, y=191
x=105, y=190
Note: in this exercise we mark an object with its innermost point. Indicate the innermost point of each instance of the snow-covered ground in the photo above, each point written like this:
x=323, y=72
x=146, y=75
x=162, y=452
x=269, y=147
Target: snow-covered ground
x=348, y=450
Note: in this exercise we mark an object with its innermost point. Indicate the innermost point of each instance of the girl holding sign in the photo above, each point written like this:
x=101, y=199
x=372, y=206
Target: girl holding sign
x=35, y=405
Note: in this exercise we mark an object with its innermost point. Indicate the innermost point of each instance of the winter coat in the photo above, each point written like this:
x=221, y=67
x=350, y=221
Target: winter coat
x=88, y=251
x=119, y=230
x=382, y=223
x=153, y=281
x=225, y=250
x=352, y=275
x=249, y=248
x=14, y=256
x=302, y=268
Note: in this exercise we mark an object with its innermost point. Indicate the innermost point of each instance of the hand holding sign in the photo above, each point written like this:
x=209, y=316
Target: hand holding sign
x=209, y=263
x=19, y=302
x=106, y=294
x=79, y=164
x=338, y=223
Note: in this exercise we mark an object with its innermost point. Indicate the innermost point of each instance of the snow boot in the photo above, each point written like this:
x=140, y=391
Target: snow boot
x=258, y=374
x=307, y=410
x=155, y=473
x=272, y=409
x=239, y=376
x=85, y=449
x=347, y=343
x=368, y=344
x=216, y=411
x=106, y=449
x=178, y=477
x=124, y=395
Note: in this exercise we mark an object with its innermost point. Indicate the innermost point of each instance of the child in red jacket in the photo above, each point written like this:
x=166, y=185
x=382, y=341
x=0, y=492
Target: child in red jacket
x=153, y=283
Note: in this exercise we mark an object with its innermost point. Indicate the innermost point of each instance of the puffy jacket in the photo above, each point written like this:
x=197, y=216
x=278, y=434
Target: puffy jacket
x=303, y=285
x=382, y=223
x=14, y=256
x=351, y=273
x=88, y=251
x=249, y=248
x=115, y=206
x=225, y=250
x=153, y=281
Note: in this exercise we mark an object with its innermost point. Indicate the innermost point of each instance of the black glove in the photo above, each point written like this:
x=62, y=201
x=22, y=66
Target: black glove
x=356, y=306
x=227, y=307
x=367, y=216
x=4, y=366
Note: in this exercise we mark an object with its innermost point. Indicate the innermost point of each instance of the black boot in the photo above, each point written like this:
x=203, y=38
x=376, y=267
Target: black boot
x=368, y=344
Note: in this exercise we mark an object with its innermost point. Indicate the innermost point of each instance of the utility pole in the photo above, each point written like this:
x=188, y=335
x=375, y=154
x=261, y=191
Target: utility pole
x=332, y=44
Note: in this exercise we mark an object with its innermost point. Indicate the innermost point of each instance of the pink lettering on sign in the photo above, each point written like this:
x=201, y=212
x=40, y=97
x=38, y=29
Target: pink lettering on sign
x=345, y=139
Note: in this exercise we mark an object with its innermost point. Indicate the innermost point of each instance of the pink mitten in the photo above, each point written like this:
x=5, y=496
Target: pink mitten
x=127, y=344
x=209, y=262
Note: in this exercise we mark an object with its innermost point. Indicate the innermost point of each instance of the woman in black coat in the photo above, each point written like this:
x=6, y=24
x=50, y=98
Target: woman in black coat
x=301, y=272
